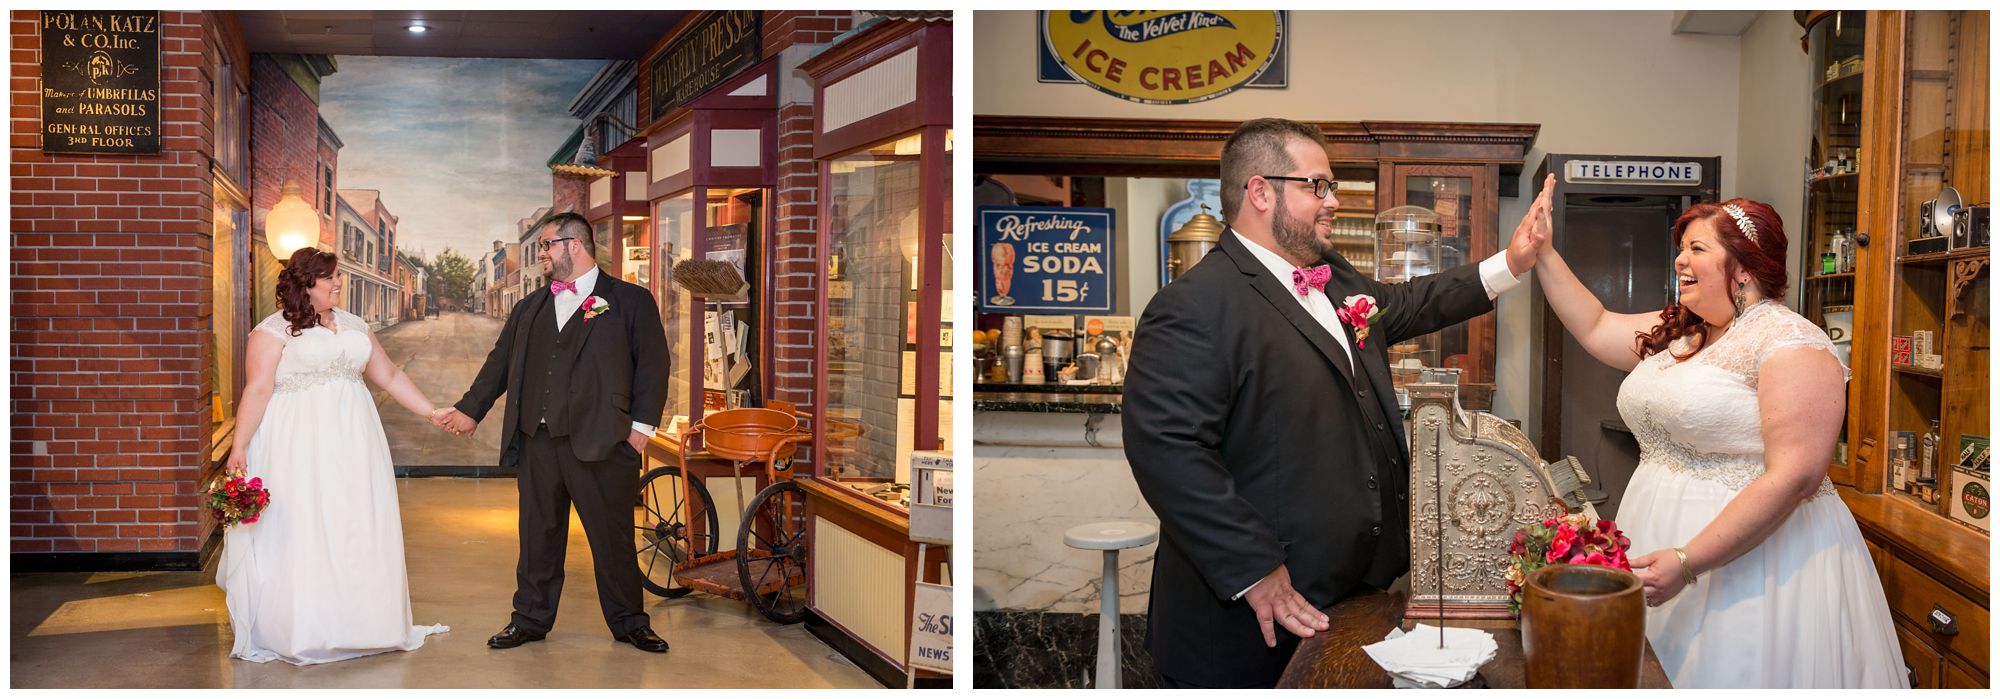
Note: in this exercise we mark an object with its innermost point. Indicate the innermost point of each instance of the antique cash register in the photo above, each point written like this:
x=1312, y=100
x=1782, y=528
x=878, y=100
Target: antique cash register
x=1486, y=479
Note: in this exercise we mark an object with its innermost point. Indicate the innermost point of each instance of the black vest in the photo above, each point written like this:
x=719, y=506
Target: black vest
x=1392, y=547
x=546, y=370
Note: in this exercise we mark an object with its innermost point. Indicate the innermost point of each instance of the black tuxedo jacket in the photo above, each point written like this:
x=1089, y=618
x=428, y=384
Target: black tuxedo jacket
x=1257, y=443
x=619, y=370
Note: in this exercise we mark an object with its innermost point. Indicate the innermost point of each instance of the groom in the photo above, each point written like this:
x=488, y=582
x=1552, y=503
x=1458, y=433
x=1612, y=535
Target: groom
x=585, y=363
x=1260, y=421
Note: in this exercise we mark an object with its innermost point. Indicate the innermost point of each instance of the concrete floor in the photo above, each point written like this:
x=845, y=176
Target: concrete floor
x=171, y=630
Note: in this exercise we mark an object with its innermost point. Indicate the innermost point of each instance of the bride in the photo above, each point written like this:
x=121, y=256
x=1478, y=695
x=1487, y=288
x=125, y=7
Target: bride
x=1755, y=571
x=320, y=576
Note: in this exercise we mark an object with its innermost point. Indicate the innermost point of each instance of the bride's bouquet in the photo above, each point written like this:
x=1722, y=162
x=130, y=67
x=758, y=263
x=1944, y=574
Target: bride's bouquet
x=234, y=500
x=1567, y=539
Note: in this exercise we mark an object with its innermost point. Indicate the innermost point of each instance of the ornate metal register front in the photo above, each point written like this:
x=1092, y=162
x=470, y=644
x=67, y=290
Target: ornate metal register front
x=1485, y=476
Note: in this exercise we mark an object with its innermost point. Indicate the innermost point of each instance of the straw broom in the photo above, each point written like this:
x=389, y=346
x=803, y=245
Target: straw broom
x=712, y=279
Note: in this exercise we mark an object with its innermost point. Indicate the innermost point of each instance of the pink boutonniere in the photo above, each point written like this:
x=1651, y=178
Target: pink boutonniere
x=594, y=306
x=1356, y=311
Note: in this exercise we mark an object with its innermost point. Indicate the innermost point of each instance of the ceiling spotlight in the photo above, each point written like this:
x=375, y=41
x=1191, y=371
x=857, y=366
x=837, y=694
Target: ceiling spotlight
x=417, y=28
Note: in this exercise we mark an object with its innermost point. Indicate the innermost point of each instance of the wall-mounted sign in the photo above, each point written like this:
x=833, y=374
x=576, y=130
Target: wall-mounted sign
x=100, y=82
x=1164, y=56
x=1045, y=259
x=1633, y=172
x=724, y=43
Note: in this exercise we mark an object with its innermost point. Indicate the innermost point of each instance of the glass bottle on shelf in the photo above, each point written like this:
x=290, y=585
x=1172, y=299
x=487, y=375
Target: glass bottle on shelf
x=1928, y=460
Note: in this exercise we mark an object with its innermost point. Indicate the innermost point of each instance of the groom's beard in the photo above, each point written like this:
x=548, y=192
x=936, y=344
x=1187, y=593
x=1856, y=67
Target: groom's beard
x=559, y=268
x=1296, y=237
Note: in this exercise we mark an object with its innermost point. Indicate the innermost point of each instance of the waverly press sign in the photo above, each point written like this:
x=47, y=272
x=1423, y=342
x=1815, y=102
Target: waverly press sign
x=1045, y=260
x=1164, y=56
x=100, y=82
x=716, y=49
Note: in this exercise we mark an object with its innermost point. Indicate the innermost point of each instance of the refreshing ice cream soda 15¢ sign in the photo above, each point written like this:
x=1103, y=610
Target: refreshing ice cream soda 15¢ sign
x=1165, y=56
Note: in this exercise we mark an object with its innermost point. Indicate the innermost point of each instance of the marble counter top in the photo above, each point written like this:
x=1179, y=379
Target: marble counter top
x=1046, y=402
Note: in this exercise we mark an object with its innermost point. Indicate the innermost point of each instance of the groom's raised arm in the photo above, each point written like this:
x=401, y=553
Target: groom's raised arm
x=492, y=379
x=1178, y=393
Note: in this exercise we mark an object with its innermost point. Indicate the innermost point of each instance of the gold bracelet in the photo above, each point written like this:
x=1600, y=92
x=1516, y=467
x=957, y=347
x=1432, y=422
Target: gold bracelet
x=1687, y=572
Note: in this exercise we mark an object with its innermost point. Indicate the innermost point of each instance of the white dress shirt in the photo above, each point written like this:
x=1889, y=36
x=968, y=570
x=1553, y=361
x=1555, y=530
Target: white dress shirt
x=566, y=304
x=1493, y=274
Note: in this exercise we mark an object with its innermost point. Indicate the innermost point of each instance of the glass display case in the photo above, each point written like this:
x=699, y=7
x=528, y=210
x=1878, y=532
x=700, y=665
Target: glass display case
x=1827, y=241
x=673, y=228
x=871, y=312
x=1429, y=224
x=1907, y=92
x=637, y=266
x=1353, y=223
x=1938, y=388
x=1408, y=244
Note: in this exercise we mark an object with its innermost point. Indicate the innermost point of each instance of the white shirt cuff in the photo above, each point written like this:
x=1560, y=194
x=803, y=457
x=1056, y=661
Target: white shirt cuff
x=1494, y=273
x=649, y=430
x=1245, y=591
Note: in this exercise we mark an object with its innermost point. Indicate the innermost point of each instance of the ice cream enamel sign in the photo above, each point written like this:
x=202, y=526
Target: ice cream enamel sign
x=1164, y=56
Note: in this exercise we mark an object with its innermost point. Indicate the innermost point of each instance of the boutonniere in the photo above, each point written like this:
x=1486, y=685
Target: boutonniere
x=594, y=306
x=1356, y=311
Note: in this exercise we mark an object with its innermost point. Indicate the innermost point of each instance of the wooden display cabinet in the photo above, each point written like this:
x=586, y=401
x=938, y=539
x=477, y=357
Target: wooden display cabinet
x=1907, y=91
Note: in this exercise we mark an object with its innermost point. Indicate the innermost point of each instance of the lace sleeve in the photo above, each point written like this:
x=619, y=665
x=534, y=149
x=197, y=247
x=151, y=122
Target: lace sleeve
x=351, y=321
x=1782, y=330
x=277, y=326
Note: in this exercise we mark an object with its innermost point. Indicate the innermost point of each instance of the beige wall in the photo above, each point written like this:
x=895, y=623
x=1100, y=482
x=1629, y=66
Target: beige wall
x=1596, y=82
x=1773, y=119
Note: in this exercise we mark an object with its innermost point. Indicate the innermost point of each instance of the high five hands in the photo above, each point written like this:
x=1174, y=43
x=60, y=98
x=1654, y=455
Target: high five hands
x=1534, y=231
x=450, y=420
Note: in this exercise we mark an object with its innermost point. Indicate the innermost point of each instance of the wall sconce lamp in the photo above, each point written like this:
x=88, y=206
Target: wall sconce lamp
x=291, y=225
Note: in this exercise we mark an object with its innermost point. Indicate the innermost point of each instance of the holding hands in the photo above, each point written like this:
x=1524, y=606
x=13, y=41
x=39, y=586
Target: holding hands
x=450, y=420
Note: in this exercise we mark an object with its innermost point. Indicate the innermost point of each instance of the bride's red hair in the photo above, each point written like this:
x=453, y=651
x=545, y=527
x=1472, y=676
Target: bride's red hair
x=1763, y=258
x=307, y=267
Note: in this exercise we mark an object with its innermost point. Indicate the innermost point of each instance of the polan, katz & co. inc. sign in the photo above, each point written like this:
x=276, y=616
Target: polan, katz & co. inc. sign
x=100, y=82
x=1164, y=56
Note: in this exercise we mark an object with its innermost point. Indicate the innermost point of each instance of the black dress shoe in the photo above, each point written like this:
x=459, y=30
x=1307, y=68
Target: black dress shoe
x=644, y=639
x=513, y=636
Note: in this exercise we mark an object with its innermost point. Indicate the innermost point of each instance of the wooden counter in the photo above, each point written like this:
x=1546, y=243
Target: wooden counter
x=1334, y=660
x=861, y=578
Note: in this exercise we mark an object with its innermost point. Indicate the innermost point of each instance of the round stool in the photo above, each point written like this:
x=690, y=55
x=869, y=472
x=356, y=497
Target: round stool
x=1110, y=537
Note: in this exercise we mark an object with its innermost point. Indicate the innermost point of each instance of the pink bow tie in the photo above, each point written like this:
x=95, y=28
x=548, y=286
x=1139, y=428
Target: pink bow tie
x=558, y=286
x=1314, y=277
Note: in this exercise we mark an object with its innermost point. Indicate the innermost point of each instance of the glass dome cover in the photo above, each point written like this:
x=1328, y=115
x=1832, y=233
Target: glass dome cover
x=1408, y=219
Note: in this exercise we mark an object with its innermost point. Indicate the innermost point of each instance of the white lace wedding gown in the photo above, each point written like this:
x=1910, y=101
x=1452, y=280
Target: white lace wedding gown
x=320, y=576
x=1802, y=609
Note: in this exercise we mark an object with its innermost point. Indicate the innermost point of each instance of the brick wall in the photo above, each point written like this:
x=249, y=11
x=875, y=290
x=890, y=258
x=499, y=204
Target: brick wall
x=111, y=317
x=284, y=142
x=795, y=239
x=571, y=193
x=795, y=258
x=785, y=28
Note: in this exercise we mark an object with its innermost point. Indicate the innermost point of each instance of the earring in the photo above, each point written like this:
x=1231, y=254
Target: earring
x=1742, y=296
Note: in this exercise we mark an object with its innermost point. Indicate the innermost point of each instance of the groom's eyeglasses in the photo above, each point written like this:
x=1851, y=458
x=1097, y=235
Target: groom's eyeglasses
x=1320, y=185
x=546, y=244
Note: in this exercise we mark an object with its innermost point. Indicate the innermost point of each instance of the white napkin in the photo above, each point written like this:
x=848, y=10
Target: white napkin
x=1414, y=660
